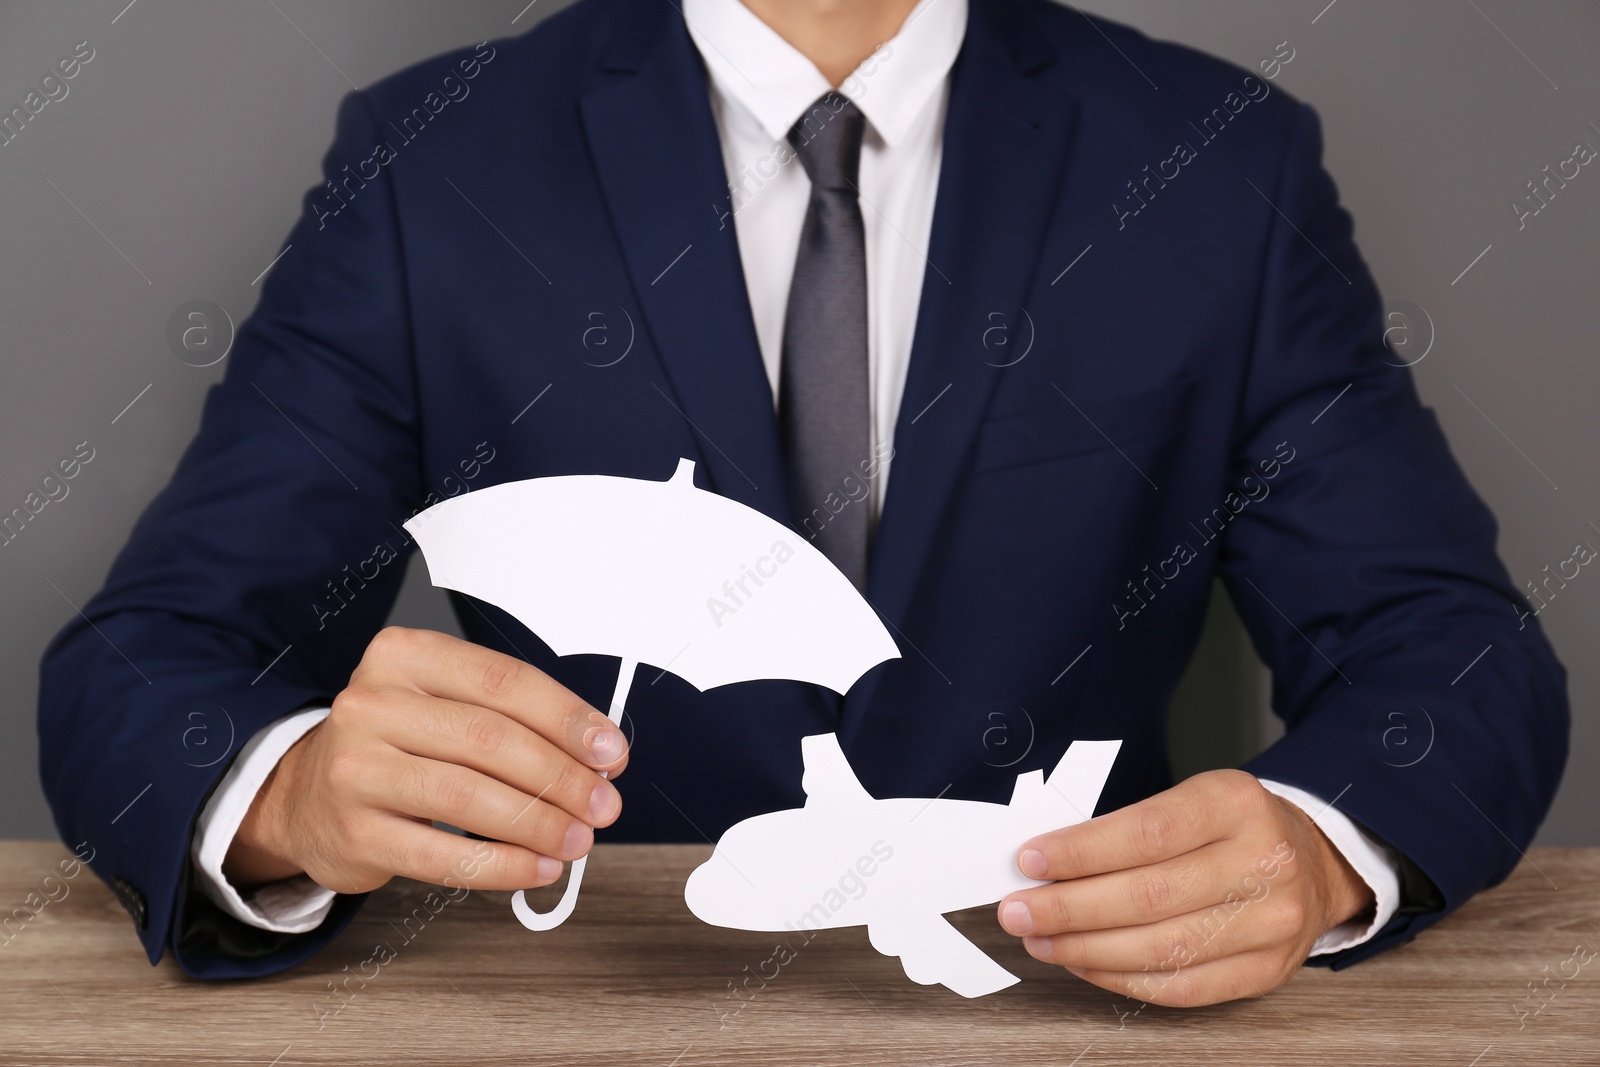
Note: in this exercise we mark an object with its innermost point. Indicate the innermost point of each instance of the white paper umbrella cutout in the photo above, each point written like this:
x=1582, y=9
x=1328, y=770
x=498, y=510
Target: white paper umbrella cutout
x=652, y=572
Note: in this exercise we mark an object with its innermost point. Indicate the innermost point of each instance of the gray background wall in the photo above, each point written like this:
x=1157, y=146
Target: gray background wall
x=174, y=166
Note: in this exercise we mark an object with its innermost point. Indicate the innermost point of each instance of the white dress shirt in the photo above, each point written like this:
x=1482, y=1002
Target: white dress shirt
x=759, y=87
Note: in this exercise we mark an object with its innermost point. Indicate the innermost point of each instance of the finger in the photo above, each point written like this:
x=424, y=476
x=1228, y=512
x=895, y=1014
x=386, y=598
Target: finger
x=1207, y=876
x=1192, y=813
x=435, y=790
x=1252, y=974
x=412, y=850
x=1187, y=940
x=504, y=749
x=449, y=667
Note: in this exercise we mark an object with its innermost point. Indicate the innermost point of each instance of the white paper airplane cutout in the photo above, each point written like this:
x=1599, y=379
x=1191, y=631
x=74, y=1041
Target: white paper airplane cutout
x=894, y=866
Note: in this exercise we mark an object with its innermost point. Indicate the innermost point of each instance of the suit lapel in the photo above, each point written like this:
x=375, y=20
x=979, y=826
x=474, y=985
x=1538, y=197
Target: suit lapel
x=1005, y=145
x=654, y=144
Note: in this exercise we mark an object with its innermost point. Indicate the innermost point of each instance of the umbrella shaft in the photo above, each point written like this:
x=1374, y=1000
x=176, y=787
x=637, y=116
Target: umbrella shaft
x=553, y=918
x=619, y=697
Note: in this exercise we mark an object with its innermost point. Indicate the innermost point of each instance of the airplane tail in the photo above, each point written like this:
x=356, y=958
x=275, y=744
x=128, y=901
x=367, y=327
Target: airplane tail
x=1075, y=785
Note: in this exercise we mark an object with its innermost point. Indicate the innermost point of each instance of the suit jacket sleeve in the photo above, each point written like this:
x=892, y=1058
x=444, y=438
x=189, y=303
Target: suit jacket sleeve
x=251, y=585
x=1370, y=584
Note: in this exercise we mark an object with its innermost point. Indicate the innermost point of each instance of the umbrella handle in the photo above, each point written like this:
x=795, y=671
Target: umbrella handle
x=557, y=915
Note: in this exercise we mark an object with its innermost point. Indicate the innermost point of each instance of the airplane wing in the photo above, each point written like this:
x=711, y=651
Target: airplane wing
x=828, y=777
x=931, y=950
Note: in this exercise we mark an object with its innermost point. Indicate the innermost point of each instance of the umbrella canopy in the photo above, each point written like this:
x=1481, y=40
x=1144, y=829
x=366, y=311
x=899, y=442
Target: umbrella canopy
x=655, y=572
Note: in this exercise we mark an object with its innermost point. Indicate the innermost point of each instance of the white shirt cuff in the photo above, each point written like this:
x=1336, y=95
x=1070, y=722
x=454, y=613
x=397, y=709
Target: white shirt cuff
x=291, y=906
x=1376, y=863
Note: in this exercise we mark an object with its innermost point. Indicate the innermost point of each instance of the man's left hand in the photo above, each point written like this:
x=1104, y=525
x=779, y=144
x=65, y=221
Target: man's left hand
x=1213, y=890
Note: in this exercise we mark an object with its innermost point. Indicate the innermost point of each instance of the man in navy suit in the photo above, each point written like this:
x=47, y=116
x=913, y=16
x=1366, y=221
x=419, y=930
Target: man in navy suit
x=1030, y=323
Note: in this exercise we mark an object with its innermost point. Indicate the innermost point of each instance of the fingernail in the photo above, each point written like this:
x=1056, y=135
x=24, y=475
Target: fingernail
x=1039, y=948
x=548, y=868
x=1032, y=863
x=1016, y=917
x=604, y=803
x=578, y=839
x=1078, y=971
x=605, y=744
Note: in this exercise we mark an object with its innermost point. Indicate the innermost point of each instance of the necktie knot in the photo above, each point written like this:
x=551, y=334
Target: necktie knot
x=827, y=139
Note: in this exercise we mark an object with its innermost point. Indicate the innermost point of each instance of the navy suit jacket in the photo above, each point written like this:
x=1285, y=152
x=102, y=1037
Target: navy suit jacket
x=1204, y=392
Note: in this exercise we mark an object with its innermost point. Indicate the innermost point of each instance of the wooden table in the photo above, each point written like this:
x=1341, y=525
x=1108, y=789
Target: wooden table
x=633, y=978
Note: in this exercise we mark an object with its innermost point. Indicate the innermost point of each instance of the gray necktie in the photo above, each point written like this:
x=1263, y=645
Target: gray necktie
x=823, y=396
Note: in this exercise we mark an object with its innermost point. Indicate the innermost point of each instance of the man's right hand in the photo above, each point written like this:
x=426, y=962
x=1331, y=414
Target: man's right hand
x=433, y=727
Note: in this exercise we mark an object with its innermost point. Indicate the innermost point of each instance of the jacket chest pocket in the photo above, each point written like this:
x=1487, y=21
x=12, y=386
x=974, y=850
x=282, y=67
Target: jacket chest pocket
x=1081, y=426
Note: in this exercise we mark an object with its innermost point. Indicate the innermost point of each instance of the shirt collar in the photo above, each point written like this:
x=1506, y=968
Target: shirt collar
x=754, y=67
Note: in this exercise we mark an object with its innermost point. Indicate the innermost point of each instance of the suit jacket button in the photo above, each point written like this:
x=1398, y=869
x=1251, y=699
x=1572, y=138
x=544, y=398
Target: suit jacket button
x=131, y=899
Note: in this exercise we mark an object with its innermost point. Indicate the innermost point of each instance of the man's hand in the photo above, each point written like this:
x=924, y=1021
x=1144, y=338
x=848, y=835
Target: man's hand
x=432, y=727
x=1213, y=890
